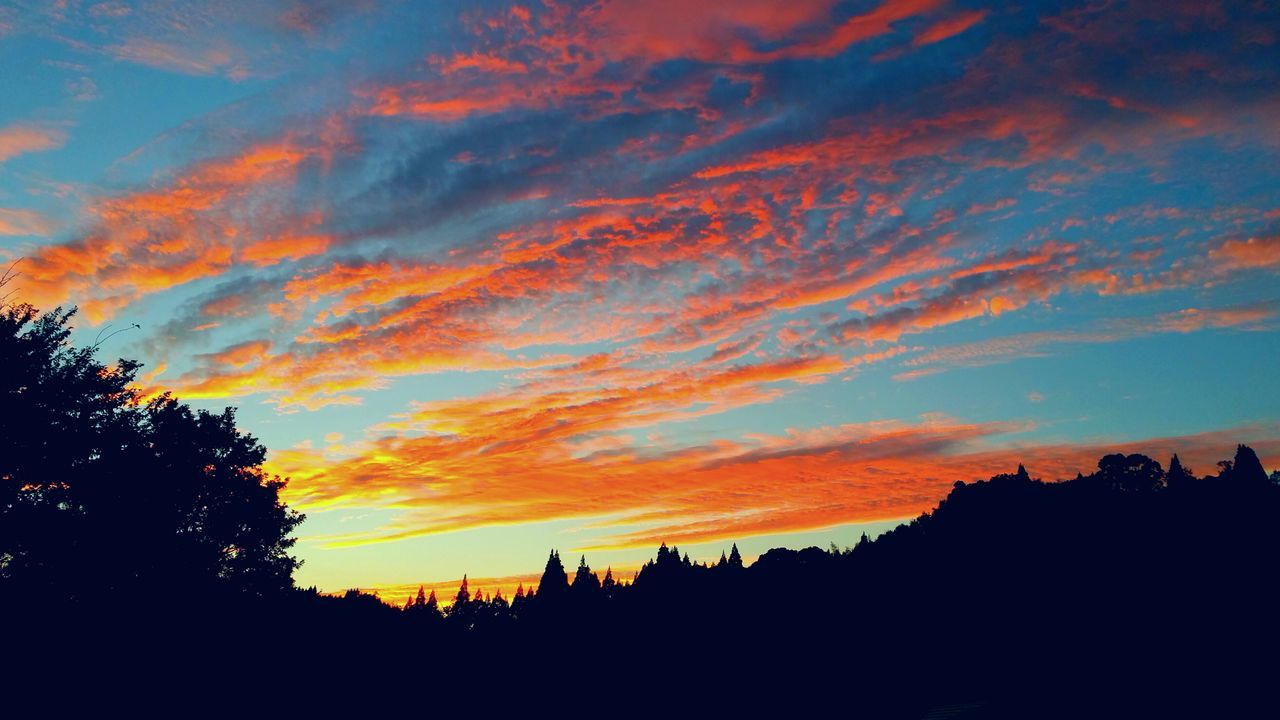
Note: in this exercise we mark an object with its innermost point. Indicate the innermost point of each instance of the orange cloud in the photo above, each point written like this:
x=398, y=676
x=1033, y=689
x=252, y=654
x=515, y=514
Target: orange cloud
x=287, y=247
x=1254, y=252
x=21, y=139
x=976, y=295
x=425, y=100
x=902, y=486
x=747, y=481
x=241, y=354
x=1014, y=259
x=1194, y=319
x=151, y=240
x=451, y=480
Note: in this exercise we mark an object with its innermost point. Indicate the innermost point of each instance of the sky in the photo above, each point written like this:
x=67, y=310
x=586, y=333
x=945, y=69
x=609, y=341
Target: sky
x=492, y=278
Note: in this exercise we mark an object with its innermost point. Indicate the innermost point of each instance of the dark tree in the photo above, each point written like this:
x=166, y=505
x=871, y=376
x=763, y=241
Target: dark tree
x=464, y=595
x=228, y=511
x=585, y=581
x=663, y=554
x=554, y=579
x=1178, y=476
x=101, y=493
x=1129, y=473
x=1019, y=477
x=1247, y=468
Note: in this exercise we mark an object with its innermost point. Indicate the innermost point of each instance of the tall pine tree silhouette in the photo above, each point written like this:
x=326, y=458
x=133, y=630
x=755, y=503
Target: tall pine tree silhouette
x=1178, y=477
x=555, y=582
x=585, y=581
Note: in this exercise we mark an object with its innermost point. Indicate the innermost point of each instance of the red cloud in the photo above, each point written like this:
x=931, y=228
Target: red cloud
x=948, y=27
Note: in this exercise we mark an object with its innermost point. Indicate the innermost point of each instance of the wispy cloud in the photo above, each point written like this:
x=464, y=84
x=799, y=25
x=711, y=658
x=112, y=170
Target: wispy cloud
x=1255, y=316
x=23, y=222
x=18, y=140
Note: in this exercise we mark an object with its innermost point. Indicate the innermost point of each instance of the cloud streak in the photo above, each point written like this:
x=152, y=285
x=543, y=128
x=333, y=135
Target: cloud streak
x=18, y=140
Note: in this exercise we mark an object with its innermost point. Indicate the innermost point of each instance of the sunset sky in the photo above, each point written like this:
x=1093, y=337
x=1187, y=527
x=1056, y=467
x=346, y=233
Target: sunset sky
x=492, y=278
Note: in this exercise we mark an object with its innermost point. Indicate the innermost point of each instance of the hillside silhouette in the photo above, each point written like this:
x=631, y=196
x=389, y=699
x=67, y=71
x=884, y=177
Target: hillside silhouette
x=1135, y=590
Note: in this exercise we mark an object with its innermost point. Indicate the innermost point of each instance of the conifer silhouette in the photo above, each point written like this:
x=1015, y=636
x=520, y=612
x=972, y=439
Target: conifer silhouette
x=735, y=558
x=585, y=581
x=1178, y=477
x=554, y=582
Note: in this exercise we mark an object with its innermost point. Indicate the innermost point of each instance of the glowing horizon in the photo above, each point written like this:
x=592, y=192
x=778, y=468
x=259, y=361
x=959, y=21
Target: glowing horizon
x=489, y=278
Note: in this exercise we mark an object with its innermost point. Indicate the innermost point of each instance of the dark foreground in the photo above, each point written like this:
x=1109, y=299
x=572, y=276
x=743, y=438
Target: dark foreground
x=1121, y=594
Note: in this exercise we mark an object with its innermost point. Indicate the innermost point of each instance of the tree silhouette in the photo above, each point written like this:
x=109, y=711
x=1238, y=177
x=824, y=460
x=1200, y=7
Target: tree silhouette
x=1019, y=477
x=1247, y=468
x=554, y=581
x=101, y=493
x=464, y=595
x=1130, y=473
x=424, y=607
x=1178, y=476
x=585, y=581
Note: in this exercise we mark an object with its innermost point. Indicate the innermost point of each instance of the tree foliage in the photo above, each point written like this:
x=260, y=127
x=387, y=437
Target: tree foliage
x=104, y=494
